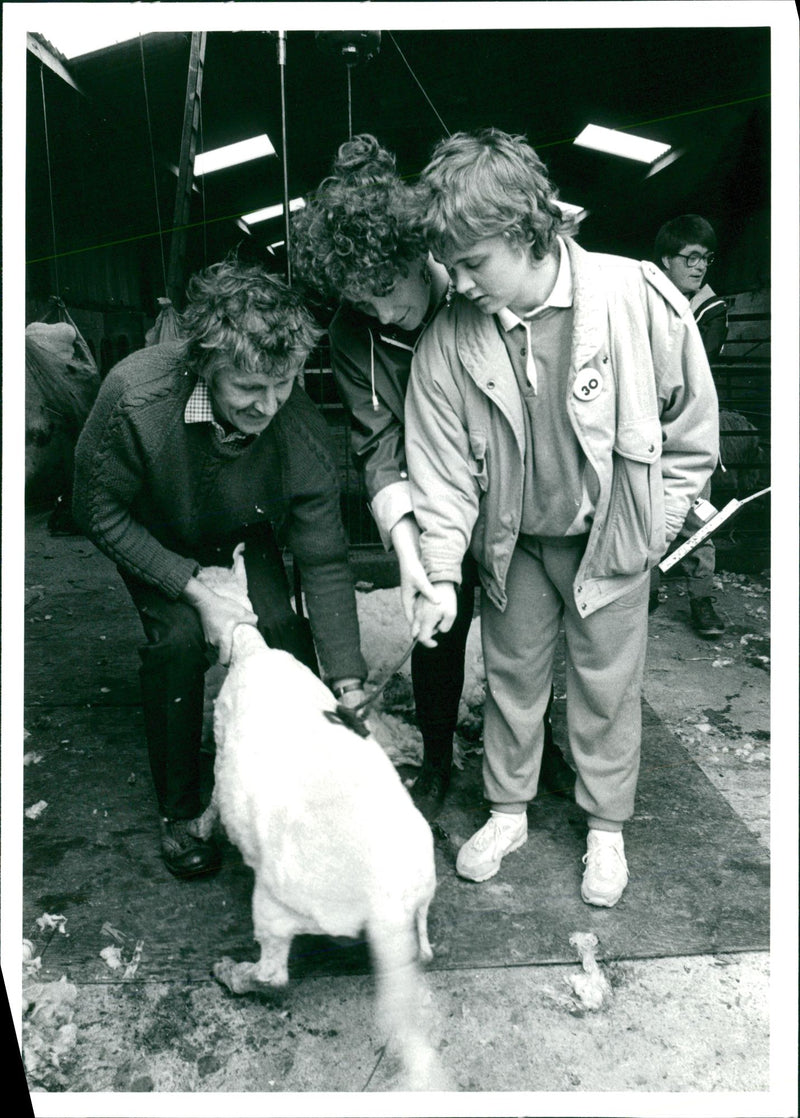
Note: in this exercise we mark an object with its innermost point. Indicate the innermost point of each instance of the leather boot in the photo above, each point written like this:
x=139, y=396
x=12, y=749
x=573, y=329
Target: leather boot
x=184, y=854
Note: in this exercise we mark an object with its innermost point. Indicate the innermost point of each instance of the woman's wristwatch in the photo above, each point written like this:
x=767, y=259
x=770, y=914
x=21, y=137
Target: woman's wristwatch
x=343, y=686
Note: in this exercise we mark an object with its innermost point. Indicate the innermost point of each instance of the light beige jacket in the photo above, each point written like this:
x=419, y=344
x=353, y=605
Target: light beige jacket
x=651, y=435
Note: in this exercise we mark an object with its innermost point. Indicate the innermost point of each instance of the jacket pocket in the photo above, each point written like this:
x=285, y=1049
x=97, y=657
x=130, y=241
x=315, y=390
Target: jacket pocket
x=640, y=442
x=635, y=530
x=477, y=459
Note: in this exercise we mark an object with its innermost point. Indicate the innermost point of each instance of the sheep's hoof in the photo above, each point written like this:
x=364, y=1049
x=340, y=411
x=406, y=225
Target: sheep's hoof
x=247, y=978
x=237, y=977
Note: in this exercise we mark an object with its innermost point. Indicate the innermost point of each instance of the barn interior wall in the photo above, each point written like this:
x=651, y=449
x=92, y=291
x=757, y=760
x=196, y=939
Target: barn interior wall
x=101, y=196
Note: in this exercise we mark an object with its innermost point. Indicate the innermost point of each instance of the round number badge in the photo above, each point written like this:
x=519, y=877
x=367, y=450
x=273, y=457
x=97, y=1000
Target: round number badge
x=588, y=384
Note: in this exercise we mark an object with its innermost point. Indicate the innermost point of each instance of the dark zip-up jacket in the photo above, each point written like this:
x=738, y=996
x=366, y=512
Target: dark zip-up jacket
x=371, y=366
x=711, y=315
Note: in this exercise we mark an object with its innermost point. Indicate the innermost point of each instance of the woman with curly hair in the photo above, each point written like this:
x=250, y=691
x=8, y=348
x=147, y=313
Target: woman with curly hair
x=355, y=242
x=191, y=448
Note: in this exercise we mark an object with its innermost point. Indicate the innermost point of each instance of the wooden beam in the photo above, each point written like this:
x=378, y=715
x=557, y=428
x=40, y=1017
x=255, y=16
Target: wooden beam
x=46, y=56
x=183, y=194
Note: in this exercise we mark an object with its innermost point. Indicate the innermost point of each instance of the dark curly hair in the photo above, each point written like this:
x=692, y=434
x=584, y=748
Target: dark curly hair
x=353, y=238
x=252, y=317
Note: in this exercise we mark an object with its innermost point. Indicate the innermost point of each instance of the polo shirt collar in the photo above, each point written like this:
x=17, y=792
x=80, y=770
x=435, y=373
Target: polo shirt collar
x=560, y=296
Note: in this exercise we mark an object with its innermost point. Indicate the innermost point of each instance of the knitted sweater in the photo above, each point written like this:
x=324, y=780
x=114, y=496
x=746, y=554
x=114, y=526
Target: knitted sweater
x=158, y=495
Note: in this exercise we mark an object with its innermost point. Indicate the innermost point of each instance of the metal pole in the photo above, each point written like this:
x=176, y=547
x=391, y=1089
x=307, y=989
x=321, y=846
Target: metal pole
x=282, y=68
x=298, y=588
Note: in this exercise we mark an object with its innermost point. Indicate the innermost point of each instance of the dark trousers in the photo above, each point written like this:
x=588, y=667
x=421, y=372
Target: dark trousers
x=175, y=659
x=437, y=676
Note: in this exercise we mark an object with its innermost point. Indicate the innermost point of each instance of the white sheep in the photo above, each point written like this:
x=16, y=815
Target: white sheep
x=321, y=816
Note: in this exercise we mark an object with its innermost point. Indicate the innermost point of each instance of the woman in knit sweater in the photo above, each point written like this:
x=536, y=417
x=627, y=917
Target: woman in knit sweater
x=191, y=448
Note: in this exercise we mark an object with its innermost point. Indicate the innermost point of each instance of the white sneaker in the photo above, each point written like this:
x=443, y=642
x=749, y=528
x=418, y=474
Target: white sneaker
x=480, y=857
x=606, y=873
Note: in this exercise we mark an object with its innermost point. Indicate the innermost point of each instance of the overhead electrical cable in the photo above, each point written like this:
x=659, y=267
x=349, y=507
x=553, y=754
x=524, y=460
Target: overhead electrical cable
x=153, y=162
x=419, y=83
x=49, y=181
x=203, y=182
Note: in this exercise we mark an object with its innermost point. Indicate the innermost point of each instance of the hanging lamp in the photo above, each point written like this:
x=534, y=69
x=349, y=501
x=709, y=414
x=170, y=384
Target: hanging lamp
x=354, y=47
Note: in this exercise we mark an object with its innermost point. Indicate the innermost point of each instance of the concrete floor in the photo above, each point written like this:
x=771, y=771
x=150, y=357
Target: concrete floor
x=688, y=1029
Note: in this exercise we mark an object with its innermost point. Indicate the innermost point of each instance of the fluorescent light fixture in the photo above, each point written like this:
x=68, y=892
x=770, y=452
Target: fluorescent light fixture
x=569, y=209
x=624, y=144
x=664, y=161
x=272, y=211
x=232, y=154
x=75, y=41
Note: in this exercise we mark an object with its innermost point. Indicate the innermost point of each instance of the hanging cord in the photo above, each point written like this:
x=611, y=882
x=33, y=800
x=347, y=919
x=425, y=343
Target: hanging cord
x=203, y=185
x=153, y=162
x=298, y=584
x=349, y=102
x=419, y=83
x=282, y=70
x=50, y=183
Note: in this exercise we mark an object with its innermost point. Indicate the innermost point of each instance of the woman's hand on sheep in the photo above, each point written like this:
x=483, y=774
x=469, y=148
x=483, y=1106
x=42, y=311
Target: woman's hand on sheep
x=219, y=616
x=435, y=615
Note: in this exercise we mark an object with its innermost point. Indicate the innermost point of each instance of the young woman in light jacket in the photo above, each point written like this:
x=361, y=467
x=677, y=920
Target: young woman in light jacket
x=352, y=243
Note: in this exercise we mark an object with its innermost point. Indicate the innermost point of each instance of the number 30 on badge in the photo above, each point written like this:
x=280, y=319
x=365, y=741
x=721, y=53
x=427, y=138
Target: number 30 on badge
x=588, y=384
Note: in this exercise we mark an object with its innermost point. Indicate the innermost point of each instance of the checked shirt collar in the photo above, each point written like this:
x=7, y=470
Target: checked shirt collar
x=199, y=410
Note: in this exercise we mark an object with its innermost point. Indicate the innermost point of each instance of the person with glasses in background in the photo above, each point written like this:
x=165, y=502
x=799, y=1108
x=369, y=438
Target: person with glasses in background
x=684, y=250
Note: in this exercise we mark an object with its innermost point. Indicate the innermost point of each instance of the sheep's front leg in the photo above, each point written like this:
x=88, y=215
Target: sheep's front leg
x=203, y=826
x=270, y=971
x=425, y=949
x=274, y=937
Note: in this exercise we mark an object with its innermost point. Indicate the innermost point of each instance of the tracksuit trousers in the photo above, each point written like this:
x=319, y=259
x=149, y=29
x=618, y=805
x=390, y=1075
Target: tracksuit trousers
x=605, y=654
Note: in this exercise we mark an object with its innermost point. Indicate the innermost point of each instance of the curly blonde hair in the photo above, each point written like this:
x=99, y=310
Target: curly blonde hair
x=353, y=239
x=251, y=316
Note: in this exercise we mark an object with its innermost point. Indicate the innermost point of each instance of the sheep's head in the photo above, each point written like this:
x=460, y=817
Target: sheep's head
x=228, y=582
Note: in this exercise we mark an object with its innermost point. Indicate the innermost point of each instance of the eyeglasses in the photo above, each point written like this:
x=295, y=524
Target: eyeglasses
x=694, y=258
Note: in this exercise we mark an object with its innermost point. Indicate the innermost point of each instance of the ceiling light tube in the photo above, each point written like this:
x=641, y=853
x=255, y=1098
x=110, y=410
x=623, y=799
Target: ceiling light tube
x=664, y=161
x=232, y=154
x=613, y=142
x=570, y=209
x=272, y=211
